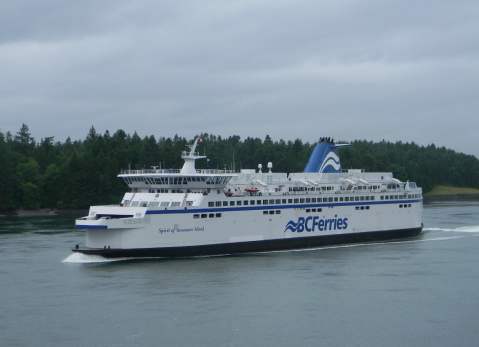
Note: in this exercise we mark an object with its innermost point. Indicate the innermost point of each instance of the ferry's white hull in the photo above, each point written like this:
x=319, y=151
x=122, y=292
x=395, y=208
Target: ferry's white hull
x=176, y=233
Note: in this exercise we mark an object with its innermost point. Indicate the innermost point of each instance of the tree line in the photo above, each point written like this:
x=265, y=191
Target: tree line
x=78, y=173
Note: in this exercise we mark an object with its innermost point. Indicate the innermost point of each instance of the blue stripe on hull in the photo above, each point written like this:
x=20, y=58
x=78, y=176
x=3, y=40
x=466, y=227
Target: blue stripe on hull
x=90, y=226
x=279, y=207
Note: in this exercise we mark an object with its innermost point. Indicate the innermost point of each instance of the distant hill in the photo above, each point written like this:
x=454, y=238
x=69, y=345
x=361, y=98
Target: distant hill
x=75, y=174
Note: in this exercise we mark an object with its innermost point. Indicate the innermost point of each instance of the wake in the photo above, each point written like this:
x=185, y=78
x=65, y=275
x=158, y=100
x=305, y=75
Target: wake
x=464, y=229
x=79, y=258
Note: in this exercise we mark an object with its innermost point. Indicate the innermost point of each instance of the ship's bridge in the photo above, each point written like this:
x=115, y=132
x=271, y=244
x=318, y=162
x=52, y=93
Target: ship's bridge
x=175, y=180
x=188, y=179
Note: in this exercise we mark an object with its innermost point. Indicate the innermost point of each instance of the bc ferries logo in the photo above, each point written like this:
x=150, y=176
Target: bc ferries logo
x=315, y=223
x=331, y=160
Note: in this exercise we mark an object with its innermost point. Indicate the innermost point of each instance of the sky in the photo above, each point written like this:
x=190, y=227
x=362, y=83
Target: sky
x=350, y=69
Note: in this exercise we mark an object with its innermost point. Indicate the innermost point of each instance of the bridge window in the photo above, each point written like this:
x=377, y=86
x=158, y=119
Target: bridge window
x=218, y=215
x=265, y=202
x=277, y=211
x=296, y=201
x=204, y=215
x=290, y=201
x=218, y=203
x=238, y=203
x=278, y=201
x=251, y=202
x=232, y=203
x=211, y=215
x=245, y=202
x=258, y=202
x=196, y=216
x=271, y=212
x=225, y=203
x=211, y=204
x=265, y=212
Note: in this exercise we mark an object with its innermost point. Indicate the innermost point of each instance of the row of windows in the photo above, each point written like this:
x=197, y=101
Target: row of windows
x=272, y=212
x=405, y=206
x=176, y=180
x=403, y=196
x=308, y=210
x=207, y=215
x=127, y=203
x=362, y=207
x=289, y=201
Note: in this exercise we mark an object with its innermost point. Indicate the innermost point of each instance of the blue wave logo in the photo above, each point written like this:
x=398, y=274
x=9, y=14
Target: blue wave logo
x=291, y=226
x=315, y=223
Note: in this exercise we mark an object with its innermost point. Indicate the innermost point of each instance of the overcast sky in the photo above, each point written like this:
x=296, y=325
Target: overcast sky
x=351, y=69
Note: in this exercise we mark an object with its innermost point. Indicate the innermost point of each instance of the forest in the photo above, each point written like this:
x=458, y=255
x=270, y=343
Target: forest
x=73, y=174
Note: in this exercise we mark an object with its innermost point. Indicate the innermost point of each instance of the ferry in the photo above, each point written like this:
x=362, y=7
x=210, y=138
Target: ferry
x=191, y=212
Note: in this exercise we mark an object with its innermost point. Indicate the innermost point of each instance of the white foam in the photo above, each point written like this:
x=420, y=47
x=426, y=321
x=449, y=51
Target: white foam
x=464, y=229
x=80, y=258
x=367, y=244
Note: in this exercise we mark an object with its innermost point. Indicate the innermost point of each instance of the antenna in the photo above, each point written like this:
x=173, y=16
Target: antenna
x=270, y=166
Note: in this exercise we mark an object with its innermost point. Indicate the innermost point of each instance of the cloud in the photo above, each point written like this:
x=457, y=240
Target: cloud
x=351, y=69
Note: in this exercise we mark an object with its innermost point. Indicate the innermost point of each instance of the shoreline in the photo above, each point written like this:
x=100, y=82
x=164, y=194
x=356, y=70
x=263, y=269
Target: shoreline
x=42, y=212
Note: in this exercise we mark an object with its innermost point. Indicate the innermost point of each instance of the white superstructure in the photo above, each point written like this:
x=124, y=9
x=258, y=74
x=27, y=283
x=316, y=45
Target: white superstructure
x=191, y=212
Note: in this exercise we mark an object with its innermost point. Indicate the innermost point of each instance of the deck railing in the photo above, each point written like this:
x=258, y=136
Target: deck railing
x=175, y=171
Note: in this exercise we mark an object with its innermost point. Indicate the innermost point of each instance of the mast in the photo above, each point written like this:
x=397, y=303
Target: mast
x=189, y=157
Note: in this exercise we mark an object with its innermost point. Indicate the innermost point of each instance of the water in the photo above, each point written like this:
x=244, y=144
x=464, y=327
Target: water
x=421, y=292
